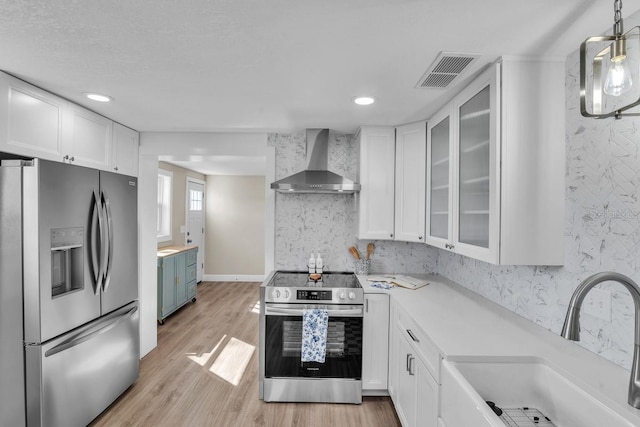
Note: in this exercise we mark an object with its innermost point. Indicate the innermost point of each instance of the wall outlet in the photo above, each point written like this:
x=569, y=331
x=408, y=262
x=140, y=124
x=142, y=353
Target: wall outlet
x=597, y=303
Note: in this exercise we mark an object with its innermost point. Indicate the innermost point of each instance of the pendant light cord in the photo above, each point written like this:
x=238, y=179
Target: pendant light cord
x=617, y=17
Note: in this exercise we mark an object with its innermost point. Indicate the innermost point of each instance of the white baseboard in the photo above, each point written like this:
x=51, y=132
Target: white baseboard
x=233, y=278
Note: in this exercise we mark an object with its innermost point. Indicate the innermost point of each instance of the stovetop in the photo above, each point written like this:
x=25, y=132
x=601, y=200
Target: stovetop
x=298, y=279
x=300, y=287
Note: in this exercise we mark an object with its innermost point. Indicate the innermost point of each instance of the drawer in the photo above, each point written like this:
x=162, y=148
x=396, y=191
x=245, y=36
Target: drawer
x=423, y=345
x=192, y=256
x=191, y=289
x=191, y=273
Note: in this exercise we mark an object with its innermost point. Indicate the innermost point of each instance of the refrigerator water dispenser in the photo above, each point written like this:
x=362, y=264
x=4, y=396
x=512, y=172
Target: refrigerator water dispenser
x=66, y=260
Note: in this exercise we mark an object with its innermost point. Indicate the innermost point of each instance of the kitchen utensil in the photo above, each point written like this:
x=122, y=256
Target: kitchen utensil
x=369, y=250
x=354, y=252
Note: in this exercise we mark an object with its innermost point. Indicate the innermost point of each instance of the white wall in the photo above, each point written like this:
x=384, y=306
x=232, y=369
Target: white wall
x=235, y=224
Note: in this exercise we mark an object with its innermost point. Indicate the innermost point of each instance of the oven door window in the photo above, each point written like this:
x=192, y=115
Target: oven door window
x=283, y=343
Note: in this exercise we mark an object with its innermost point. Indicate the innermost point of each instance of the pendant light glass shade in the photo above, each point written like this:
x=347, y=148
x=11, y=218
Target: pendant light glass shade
x=610, y=72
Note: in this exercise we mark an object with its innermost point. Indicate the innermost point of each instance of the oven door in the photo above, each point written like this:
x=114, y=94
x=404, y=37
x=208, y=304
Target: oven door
x=283, y=342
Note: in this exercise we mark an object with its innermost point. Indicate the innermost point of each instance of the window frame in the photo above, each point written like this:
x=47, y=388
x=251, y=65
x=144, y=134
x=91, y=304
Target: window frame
x=164, y=224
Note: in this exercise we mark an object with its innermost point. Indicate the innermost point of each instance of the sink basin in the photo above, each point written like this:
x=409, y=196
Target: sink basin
x=516, y=382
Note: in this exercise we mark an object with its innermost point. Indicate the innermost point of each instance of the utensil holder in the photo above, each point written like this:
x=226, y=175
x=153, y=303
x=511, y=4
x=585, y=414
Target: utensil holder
x=362, y=266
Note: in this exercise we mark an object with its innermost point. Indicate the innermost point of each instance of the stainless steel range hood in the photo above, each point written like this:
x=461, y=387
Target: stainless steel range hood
x=316, y=178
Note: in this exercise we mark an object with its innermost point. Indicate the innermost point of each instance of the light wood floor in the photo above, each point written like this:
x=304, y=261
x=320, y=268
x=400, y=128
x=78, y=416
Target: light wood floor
x=178, y=386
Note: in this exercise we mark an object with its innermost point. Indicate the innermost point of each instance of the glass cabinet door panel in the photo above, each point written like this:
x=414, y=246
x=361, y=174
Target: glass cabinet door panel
x=474, y=170
x=439, y=191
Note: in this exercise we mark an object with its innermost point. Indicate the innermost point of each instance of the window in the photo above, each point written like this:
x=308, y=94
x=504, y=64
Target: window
x=165, y=185
x=195, y=200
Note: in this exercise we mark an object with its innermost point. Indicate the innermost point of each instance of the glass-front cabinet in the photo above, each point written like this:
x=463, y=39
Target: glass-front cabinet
x=439, y=154
x=462, y=178
x=477, y=173
x=495, y=166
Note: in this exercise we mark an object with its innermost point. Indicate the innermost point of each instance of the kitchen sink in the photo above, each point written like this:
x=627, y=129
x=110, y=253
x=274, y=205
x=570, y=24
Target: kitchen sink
x=520, y=382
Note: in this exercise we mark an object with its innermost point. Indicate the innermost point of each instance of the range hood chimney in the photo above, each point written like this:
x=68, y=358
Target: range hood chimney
x=316, y=178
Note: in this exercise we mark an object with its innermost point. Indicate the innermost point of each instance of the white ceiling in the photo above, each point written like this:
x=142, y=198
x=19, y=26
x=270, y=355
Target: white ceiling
x=273, y=65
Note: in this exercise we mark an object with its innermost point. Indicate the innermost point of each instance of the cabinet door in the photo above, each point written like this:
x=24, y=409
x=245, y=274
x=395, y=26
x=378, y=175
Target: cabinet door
x=439, y=178
x=376, y=198
x=88, y=142
x=168, y=285
x=411, y=159
x=476, y=203
x=181, y=278
x=124, y=150
x=30, y=120
x=426, y=396
x=405, y=401
x=375, y=342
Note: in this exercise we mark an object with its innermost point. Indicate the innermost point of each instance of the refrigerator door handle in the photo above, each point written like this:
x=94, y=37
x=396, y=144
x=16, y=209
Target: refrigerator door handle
x=109, y=243
x=76, y=340
x=95, y=249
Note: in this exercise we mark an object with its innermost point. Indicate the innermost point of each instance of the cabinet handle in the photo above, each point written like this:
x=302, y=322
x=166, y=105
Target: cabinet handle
x=71, y=159
x=419, y=237
x=413, y=337
x=391, y=235
x=115, y=168
x=408, y=364
x=366, y=305
x=411, y=359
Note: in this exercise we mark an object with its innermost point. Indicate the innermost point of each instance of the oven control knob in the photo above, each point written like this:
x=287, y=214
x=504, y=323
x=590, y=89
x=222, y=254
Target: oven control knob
x=287, y=294
x=352, y=295
x=341, y=295
x=276, y=293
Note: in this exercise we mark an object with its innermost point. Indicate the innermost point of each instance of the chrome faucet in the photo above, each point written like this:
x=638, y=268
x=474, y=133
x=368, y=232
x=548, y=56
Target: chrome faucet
x=571, y=327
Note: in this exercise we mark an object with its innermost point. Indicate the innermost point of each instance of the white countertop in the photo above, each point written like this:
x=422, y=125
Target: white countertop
x=464, y=324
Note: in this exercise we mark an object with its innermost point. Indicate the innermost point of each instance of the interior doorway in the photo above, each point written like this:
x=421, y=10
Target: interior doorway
x=195, y=217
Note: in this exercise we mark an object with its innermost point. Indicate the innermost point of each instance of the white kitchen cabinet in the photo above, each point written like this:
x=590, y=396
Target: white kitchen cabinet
x=124, y=150
x=498, y=195
x=411, y=147
x=36, y=123
x=375, y=344
x=413, y=372
x=439, y=180
x=376, y=176
x=31, y=120
x=89, y=140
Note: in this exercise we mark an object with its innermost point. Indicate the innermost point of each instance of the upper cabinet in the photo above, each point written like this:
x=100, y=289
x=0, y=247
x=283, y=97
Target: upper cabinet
x=124, y=153
x=36, y=123
x=30, y=120
x=411, y=148
x=495, y=157
x=376, y=176
x=89, y=140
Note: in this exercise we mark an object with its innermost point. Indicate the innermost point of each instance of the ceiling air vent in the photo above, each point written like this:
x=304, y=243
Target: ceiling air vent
x=445, y=69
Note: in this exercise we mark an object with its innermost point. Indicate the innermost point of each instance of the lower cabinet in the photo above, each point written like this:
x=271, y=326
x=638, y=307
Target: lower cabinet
x=412, y=385
x=176, y=279
x=375, y=344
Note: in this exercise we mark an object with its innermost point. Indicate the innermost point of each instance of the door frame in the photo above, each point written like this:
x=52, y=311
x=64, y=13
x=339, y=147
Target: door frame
x=204, y=216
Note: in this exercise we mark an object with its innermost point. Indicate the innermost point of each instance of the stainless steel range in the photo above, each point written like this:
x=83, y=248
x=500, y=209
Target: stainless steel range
x=284, y=377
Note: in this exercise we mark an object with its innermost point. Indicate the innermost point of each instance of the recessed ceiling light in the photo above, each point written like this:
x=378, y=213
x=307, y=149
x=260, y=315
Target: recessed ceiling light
x=98, y=97
x=364, y=100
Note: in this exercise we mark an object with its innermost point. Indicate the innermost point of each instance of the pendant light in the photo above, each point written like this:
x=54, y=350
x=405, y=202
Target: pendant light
x=610, y=71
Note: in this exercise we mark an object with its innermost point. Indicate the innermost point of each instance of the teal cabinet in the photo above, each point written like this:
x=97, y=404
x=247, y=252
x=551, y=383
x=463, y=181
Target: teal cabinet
x=176, y=279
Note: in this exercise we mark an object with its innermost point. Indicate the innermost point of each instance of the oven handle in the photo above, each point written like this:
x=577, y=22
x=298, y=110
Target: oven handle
x=343, y=312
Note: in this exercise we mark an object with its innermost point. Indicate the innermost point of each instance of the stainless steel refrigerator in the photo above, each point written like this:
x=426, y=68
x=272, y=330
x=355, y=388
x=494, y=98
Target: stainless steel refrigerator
x=69, y=342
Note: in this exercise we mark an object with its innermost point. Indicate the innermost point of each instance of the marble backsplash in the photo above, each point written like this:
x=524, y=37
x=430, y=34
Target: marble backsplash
x=602, y=229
